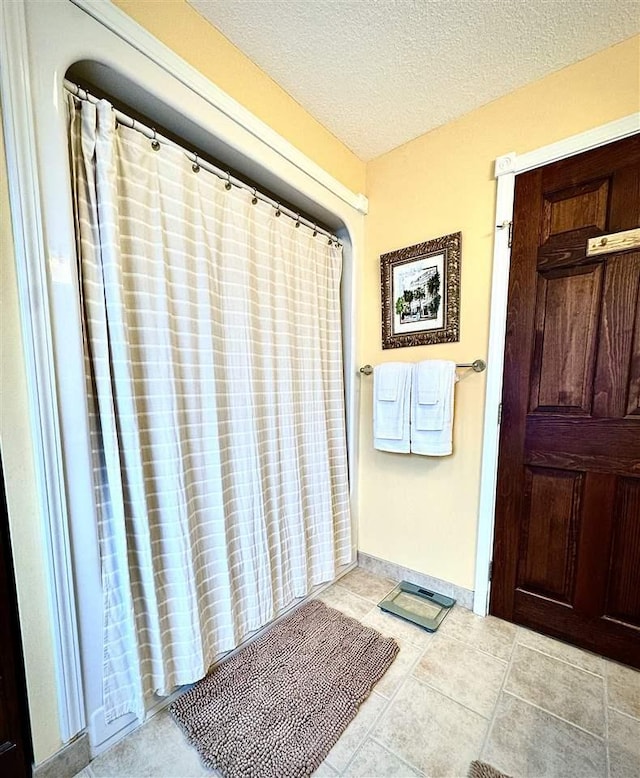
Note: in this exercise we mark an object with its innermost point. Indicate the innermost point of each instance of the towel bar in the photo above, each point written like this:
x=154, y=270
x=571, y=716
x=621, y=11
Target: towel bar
x=478, y=365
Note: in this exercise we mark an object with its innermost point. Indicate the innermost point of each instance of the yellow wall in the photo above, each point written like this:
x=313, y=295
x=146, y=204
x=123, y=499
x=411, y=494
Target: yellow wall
x=416, y=511
x=24, y=518
x=180, y=27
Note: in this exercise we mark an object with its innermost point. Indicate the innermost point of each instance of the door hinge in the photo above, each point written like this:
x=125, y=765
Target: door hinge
x=499, y=414
x=507, y=225
x=491, y=570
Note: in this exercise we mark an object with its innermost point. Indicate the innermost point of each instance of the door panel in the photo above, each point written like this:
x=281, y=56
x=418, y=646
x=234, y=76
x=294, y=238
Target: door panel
x=549, y=532
x=571, y=209
x=623, y=590
x=567, y=313
x=567, y=540
x=617, y=368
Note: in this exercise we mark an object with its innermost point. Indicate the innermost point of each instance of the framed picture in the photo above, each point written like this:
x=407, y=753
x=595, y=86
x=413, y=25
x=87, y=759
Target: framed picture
x=421, y=293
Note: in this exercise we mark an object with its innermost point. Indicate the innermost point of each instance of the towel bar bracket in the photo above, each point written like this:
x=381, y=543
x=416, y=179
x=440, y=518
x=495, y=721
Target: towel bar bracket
x=478, y=366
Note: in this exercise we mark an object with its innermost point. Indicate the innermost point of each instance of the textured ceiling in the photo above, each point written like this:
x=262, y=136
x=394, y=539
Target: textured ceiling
x=378, y=73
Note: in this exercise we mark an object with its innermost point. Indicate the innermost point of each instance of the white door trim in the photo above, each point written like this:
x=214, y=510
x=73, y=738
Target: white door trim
x=35, y=265
x=26, y=217
x=506, y=169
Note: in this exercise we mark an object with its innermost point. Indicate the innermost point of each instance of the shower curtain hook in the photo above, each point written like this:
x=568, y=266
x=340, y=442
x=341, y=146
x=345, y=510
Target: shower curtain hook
x=298, y=221
x=315, y=230
x=195, y=167
x=227, y=186
x=155, y=145
x=278, y=210
x=254, y=199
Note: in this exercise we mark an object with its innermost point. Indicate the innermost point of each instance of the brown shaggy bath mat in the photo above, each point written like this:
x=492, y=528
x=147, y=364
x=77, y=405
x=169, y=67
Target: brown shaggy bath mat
x=484, y=770
x=277, y=707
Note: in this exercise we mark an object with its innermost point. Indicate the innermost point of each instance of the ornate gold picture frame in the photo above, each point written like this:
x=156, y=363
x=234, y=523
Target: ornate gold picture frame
x=420, y=287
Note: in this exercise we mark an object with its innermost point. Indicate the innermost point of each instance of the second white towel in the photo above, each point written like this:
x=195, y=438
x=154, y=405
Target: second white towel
x=432, y=398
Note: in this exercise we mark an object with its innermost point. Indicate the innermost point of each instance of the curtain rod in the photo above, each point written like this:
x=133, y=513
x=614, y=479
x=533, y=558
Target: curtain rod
x=478, y=366
x=157, y=140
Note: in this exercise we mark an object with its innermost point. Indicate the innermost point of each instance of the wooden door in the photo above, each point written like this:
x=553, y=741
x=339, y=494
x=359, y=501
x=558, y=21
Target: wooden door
x=15, y=744
x=567, y=536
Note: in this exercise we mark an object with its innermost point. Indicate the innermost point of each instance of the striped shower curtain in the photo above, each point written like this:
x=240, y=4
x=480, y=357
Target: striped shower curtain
x=212, y=334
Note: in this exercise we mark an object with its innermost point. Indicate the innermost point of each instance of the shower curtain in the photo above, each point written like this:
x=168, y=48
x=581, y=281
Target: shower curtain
x=212, y=334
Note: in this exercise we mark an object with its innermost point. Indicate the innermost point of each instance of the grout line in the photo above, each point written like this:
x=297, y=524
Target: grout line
x=624, y=713
x=409, y=675
x=364, y=737
x=449, y=697
x=388, y=703
x=492, y=718
x=475, y=648
x=560, y=659
x=389, y=750
x=360, y=596
x=555, y=715
x=393, y=617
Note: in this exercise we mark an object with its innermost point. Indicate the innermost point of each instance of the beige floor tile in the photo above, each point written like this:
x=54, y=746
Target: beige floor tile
x=400, y=668
x=469, y=676
x=374, y=761
x=324, y=771
x=354, y=735
x=156, y=749
x=624, y=745
x=431, y=732
x=342, y=599
x=368, y=585
x=488, y=634
x=556, y=648
x=567, y=691
x=395, y=627
x=529, y=743
x=623, y=688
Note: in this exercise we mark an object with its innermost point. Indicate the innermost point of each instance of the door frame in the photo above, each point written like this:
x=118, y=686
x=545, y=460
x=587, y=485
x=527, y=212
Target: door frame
x=507, y=167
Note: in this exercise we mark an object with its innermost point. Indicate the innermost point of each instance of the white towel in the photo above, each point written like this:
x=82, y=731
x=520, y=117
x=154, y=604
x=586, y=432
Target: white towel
x=432, y=407
x=391, y=406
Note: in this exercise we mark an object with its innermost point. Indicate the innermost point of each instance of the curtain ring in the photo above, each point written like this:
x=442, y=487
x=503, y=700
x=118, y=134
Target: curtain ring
x=298, y=221
x=278, y=210
x=195, y=167
x=254, y=199
x=330, y=241
x=155, y=145
x=227, y=186
x=315, y=230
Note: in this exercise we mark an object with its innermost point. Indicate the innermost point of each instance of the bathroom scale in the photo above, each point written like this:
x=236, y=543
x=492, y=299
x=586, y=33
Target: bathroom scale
x=421, y=606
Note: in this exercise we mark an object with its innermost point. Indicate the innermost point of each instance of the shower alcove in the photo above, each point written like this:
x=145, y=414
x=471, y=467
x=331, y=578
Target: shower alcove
x=98, y=45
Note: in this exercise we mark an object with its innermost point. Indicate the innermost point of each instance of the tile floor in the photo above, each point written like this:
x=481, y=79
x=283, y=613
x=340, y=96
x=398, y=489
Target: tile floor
x=478, y=688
